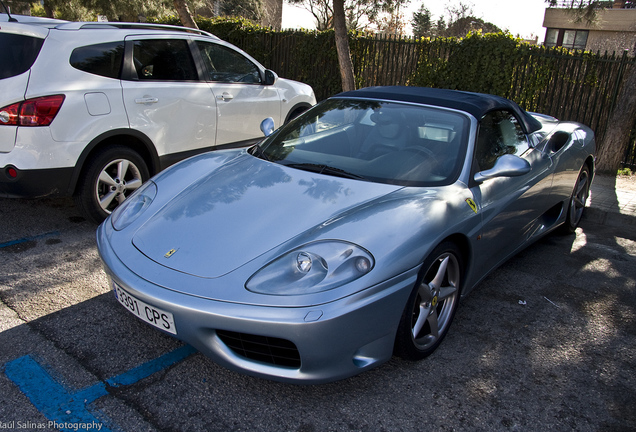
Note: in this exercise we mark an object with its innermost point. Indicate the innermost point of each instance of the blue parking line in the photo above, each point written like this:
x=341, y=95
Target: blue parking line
x=28, y=239
x=66, y=408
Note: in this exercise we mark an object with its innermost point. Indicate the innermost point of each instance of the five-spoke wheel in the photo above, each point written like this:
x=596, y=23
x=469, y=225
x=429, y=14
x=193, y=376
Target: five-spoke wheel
x=111, y=175
x=431, y=307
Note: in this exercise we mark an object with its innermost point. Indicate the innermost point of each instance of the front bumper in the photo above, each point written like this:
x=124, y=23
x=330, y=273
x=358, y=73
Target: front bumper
x=333, y=340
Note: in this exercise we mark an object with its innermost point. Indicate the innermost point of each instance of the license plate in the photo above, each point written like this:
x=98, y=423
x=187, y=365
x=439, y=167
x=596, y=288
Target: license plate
x=150, y=314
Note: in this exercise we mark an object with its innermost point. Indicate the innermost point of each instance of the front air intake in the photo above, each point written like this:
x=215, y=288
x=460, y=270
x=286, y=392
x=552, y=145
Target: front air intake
x=265, y=349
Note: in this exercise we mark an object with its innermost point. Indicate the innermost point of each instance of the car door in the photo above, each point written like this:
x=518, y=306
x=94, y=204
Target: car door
x=242, y=98
x=512, y=208
x=165, y=97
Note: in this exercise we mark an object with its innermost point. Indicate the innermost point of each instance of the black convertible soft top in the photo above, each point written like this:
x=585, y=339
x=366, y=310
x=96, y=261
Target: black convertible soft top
x=476, y=104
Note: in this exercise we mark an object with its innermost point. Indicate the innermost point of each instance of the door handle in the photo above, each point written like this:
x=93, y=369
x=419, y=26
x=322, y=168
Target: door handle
x=146, y=100
x=225, y=96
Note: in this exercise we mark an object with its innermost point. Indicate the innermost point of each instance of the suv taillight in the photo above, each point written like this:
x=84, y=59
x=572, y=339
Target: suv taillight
x=32, y=112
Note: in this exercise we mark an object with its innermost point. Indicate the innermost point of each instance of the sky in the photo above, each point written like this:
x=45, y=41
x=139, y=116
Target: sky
x=521, y=17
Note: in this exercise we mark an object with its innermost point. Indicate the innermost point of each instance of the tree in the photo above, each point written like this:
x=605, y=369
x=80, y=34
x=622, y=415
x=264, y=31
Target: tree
x=184, y=14
x=440, y=27
x=392, y=23
x=359, y=14
x=388, y=17
x=322, y=10
x=462, y=10
x=342, y=46
x=618, y=132
x=250, y=9
x=422, y=23
x=461, y=27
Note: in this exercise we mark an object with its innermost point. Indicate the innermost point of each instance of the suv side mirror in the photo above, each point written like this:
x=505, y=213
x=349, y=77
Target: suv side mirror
x=270, y=77
x=267, y=126
x=506, y=166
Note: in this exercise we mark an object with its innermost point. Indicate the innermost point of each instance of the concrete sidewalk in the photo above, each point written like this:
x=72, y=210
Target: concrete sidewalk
x=612, y=200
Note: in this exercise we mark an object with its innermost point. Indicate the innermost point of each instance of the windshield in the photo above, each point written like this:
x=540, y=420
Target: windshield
x=386, y=142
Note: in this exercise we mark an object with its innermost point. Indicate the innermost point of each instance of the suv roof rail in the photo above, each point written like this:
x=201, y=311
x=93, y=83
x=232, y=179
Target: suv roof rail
x=130, y=25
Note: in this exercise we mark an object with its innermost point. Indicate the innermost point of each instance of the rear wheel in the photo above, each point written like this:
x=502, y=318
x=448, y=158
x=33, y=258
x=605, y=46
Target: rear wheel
x=109, y=177
x=577, y=201
x=431, y=307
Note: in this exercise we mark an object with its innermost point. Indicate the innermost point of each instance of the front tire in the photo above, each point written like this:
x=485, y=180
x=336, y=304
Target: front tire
x=431, y=307
x=108, y=178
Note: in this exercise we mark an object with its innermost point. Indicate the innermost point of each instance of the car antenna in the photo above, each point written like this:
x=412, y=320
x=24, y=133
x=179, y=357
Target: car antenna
x=6, y=9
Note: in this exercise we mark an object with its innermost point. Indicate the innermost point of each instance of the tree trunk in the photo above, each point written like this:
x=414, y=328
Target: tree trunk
x=48, y=10
x=617, y=135
x=342, y=46
x=184, y=14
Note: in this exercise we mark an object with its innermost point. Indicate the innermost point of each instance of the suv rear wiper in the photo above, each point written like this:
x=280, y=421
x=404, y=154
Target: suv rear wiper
x=325, y=169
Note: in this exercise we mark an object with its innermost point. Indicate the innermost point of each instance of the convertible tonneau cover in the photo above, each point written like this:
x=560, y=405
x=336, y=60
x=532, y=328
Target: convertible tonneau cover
x=477, y=104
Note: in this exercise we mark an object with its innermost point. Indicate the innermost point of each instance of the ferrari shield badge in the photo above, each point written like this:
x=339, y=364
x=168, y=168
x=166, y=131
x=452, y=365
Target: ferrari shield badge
x=170, y=253
x=472, y=204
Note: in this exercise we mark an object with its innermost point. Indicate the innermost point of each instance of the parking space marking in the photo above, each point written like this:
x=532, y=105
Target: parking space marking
x=28, y=239
x=66, y=407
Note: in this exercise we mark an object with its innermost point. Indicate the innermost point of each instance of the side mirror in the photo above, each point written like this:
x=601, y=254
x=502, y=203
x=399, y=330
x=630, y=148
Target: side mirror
x=267, y=126
x=506, y=166
x=270, y=77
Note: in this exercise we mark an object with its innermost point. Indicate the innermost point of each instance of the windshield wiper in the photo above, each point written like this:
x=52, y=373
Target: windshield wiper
x=259, y=152
x=325, y=169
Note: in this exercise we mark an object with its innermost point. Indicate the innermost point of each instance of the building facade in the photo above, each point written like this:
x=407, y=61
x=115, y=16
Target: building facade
x=612, y=29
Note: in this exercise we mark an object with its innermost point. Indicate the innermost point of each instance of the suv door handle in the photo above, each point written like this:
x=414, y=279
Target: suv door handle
x=225, y=96
x=146, y=100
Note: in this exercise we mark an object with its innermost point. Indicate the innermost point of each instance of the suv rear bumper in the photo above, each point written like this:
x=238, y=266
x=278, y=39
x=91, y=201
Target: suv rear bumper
x=34, y=183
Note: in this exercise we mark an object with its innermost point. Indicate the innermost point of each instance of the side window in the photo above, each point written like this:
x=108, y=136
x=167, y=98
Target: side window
x=164, y=60
x=499, y=133
x=18, y=53
x=227, y=66
x=102, y=59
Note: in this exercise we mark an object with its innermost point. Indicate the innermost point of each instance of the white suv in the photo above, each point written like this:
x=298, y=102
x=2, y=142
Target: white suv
x=94, y=109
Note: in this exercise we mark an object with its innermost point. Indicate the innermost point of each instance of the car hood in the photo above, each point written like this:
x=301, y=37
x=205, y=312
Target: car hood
x=242, y=209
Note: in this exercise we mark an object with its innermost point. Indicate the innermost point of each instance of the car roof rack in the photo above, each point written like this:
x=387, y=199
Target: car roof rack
x=130, y=25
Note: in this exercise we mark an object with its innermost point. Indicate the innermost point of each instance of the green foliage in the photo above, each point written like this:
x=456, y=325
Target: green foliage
x=478, y=62
x=37, y=10
x=498, y=63
x=625, y=172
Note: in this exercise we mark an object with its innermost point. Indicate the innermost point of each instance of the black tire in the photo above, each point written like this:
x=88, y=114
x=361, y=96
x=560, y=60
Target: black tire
x=577, y=201
x=430, y=309
x=108, y=178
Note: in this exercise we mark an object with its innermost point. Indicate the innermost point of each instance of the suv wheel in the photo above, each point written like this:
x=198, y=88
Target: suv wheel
x=108, y=178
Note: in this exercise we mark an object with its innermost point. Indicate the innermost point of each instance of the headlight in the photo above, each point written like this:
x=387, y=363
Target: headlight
x=133, y=206
x=315, y=267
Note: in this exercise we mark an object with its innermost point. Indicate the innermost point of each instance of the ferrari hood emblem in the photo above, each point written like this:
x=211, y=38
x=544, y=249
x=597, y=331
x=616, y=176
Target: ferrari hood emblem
x=170, y=253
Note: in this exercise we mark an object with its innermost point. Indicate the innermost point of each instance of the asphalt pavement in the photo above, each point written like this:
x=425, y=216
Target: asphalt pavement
x=546, y=342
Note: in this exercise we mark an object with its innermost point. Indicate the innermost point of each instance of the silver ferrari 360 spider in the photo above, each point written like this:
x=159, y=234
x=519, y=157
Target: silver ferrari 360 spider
x=347, y=235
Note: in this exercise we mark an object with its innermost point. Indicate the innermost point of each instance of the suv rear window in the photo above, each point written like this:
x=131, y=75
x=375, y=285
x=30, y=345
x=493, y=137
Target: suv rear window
x=103, y=59
x=18, y=53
